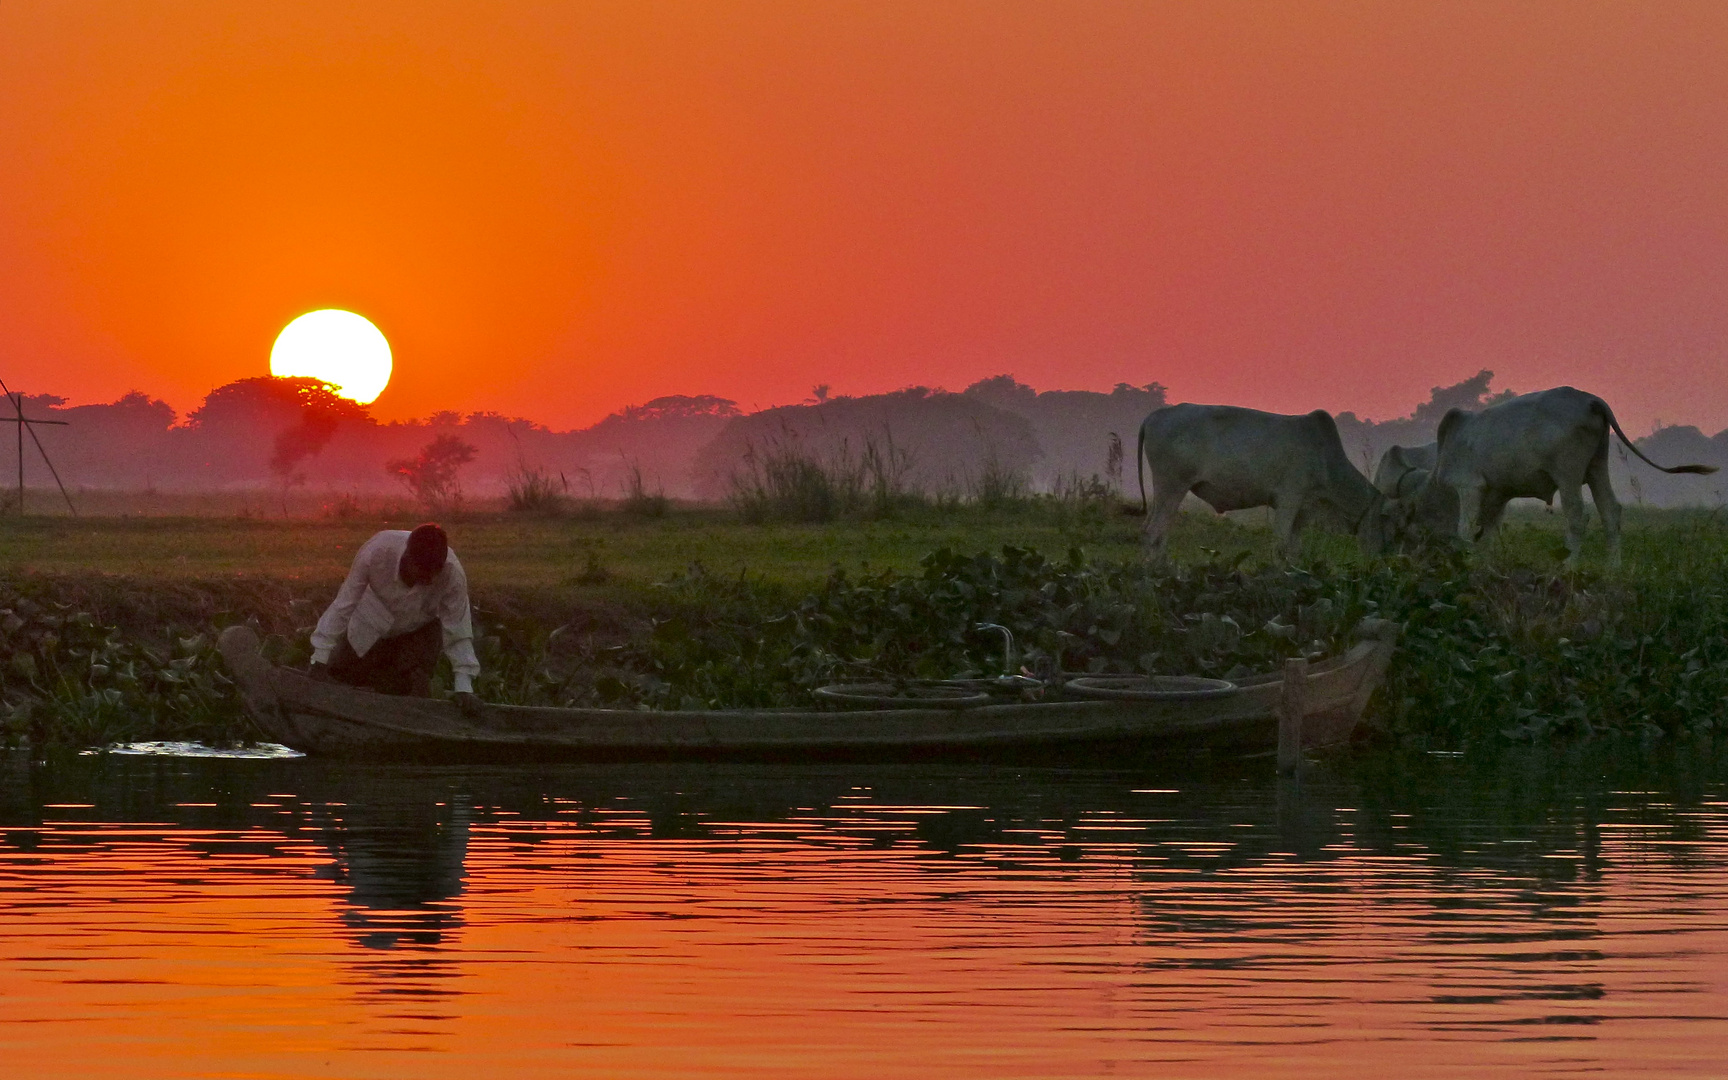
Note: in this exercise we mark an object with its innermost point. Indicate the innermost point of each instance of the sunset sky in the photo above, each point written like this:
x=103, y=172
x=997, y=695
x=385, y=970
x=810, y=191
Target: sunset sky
x=554, y=210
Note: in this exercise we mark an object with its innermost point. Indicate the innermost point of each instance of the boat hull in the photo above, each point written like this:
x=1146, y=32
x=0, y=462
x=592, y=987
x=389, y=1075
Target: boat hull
x=333, y=720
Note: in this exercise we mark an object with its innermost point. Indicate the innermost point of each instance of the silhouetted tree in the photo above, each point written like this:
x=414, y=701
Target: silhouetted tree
x=431, y=474
x=322, y=410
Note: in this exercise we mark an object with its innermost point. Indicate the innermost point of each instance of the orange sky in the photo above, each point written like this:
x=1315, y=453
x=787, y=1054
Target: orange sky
x=558, y=209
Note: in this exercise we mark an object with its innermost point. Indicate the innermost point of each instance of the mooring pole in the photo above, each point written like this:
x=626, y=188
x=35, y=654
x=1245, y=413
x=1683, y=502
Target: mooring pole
x=1292, y=704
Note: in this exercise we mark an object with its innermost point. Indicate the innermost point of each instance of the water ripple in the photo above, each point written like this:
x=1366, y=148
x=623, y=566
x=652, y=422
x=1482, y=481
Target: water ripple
x=168, y=916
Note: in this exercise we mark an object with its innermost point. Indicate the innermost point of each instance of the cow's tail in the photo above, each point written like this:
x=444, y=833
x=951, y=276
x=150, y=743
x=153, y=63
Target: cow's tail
x=1608, y=414
x=1140, y=466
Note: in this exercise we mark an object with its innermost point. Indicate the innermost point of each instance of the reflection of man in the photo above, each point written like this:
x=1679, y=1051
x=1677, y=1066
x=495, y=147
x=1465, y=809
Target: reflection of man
x=405, y=600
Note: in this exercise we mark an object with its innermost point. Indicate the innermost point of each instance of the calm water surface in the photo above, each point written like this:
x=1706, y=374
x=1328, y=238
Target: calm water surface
x=1427, y=917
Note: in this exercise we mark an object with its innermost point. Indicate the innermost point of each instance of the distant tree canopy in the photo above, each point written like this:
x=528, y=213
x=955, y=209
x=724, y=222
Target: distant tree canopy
x=1076, y=428
x=139, y=406
x=1471, y=394
x=1003, y=391
x=303, y=413
x=679, y=406
x=1006, y=392
x=266, y=396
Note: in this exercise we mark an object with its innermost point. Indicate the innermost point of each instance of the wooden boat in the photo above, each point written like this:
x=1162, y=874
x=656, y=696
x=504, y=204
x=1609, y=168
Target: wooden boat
x=331, y=719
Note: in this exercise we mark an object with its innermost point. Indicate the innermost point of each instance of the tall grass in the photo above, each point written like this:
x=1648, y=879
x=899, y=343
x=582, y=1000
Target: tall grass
x=1084, y=506
x=638, y=501
x=784, y=480
x=886, y=468
x=533, y=489
x=996, y=485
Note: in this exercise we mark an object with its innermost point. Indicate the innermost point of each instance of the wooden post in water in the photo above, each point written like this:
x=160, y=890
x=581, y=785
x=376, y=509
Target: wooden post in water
x=1292, y=703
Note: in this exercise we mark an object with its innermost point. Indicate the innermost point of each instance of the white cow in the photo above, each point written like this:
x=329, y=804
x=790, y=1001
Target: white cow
x=1404, y=469
x=1238, y=458
x=1530, y=447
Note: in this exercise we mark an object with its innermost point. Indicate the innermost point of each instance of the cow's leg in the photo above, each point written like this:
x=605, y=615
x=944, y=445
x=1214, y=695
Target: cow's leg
x=1166, y=504
x=1286, y=525
x=1469, y=512
x=1607, y=506
x=1572, y=502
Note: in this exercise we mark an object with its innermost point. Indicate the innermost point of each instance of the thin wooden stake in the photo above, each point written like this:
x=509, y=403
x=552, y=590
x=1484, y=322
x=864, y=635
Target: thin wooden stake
x=1292, y=706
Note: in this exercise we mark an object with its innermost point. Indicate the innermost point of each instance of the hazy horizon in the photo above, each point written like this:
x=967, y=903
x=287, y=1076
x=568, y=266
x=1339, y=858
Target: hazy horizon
x=296, y=435
x=183, y=411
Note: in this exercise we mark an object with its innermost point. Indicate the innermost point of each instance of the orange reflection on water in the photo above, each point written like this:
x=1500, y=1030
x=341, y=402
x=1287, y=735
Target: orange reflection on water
x=863, y=940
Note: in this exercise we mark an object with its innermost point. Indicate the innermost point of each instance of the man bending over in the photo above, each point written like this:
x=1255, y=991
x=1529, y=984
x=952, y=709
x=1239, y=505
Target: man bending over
x=405, y=599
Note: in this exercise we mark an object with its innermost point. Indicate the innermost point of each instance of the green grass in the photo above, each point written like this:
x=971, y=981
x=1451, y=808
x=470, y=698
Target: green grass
x=550, y=552
x=540, y=551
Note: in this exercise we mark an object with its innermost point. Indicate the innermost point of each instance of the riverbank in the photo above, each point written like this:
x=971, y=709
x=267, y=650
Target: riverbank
x=108, y=625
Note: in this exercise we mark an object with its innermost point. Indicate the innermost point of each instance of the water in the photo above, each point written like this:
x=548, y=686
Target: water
x=1437, y=917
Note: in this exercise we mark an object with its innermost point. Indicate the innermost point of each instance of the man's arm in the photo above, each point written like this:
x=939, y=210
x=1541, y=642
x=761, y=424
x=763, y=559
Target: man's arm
x=458, y=623
x=333, y=624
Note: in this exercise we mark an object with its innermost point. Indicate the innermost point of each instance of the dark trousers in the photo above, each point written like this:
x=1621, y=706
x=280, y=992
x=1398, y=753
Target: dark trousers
x=394, y=665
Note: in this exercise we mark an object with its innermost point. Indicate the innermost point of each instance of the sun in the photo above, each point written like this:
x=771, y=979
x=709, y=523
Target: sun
x=339, y=347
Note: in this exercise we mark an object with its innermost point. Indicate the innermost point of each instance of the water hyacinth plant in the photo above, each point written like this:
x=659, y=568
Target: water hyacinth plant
x=1501, y=643
x=1489, y=651
x=720, y=642
x=67, y=678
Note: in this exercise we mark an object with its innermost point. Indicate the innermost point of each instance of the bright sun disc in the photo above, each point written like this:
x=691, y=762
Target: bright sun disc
x=339, y=347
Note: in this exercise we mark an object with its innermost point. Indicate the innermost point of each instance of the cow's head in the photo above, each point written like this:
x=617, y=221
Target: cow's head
x=1426, y=511
x=1375, y=529
x=1398, y=474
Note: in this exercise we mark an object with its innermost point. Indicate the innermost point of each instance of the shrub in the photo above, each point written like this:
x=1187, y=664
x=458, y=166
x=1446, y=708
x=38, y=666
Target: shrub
x=431, y=474
x=344, y=507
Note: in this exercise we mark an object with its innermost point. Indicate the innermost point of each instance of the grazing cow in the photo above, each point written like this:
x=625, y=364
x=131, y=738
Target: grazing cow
x=1237, y=458
x=1404, y=469
x=1530, y=447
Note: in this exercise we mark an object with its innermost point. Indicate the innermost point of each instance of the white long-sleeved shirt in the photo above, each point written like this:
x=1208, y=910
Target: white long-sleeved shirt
x=374, y=603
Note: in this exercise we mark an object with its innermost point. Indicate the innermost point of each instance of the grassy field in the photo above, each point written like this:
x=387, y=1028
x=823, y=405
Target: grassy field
x=105, y=622
x=622, y=552
x=178, y=536
x=572, y=552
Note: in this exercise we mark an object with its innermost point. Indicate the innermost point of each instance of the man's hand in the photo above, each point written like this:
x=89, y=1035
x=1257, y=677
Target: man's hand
x=470, y=705
x=319, y=672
